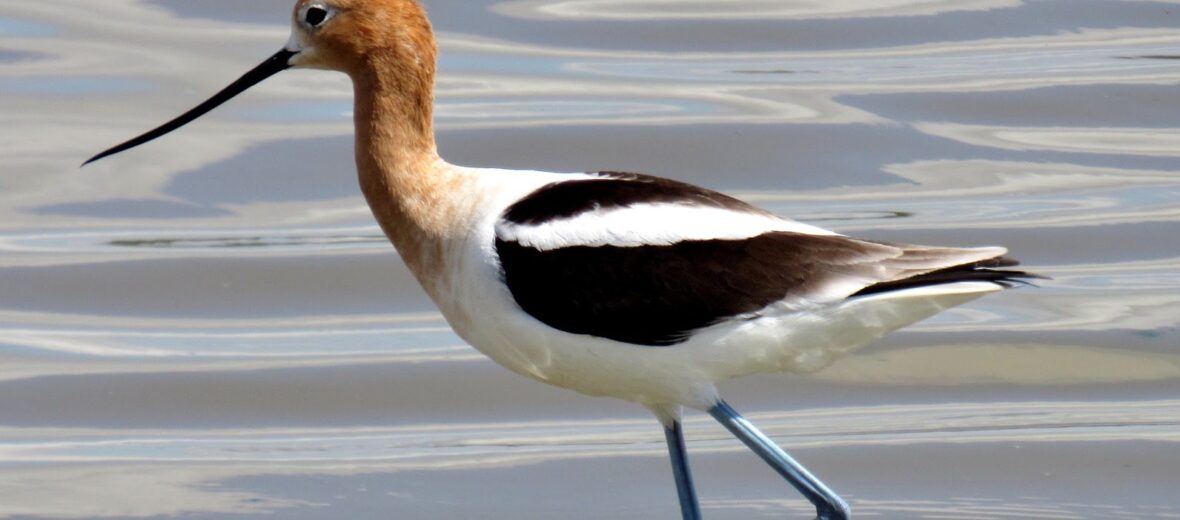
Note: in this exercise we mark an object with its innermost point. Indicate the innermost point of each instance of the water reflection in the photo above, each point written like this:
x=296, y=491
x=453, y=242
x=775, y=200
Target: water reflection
x=16, y=27
x=194, y=241
x=109, y=461
x=12, y=56
x=1128, y=141
x=437, y=445
x=668, y=10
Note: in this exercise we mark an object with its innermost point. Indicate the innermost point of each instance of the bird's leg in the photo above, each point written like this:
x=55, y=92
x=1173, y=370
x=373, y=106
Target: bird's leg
x=690, y=509
x=828, y=505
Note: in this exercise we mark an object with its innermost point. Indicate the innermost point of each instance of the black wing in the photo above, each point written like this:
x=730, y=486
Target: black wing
x=659, y=294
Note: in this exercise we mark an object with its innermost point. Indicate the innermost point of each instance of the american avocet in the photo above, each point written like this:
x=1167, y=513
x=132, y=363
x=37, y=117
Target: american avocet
x=611, y=284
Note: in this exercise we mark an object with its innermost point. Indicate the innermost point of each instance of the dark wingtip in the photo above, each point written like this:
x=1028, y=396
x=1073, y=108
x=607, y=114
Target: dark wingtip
x=977, y=272
x=1014, y=279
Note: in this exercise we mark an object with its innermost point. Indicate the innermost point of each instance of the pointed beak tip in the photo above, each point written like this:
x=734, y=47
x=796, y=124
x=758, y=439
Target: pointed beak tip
x=90, y=160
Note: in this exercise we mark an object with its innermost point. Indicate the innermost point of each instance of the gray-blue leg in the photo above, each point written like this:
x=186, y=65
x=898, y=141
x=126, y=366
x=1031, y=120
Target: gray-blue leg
x=828, y=505
x=690, y=509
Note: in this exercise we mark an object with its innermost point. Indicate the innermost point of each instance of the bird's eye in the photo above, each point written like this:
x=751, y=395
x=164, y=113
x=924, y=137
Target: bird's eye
x=315, y=16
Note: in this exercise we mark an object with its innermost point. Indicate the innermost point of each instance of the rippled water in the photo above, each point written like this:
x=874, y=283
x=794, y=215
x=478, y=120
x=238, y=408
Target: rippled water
x=212, y=326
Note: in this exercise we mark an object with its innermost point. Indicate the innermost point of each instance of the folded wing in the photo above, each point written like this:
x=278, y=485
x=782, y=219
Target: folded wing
x=649, y=261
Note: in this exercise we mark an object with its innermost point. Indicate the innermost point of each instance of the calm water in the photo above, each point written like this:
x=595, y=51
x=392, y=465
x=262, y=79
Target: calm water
x=211, y=326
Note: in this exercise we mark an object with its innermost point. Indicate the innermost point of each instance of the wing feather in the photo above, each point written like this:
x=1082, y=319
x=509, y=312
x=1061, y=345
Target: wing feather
x=592, y=258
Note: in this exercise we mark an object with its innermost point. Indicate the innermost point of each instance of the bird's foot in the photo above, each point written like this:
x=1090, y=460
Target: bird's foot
x=839, y=511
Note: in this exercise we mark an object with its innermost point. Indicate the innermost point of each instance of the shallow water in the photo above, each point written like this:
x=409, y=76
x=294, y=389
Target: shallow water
x=212, y=326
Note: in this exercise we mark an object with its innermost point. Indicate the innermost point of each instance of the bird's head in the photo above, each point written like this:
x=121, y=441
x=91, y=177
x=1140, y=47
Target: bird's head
x=387, y=41
x=352, y=36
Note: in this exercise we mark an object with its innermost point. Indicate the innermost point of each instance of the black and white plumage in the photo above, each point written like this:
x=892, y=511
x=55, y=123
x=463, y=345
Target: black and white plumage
x=578, y=256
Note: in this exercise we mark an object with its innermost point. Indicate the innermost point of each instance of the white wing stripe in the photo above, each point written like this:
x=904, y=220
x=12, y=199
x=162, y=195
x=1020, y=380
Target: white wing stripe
x=649, y=224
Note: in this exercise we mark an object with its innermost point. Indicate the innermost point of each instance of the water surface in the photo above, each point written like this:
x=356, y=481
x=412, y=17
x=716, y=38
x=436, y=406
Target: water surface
x=212, y=326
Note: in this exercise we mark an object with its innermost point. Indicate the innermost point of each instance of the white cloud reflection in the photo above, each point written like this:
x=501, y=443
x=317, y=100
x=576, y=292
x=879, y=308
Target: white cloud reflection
x=623, y=10
x=1163, y=142
x=168, y=63
x=438, y=446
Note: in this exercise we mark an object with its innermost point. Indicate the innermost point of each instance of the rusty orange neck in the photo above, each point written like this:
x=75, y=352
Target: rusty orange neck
x=411, y=191
x=393, y=114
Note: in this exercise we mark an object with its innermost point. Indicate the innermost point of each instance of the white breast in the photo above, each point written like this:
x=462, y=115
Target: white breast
x=483, y=312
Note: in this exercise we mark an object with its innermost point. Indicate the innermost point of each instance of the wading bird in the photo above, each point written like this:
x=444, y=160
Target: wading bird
x=609, y=284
